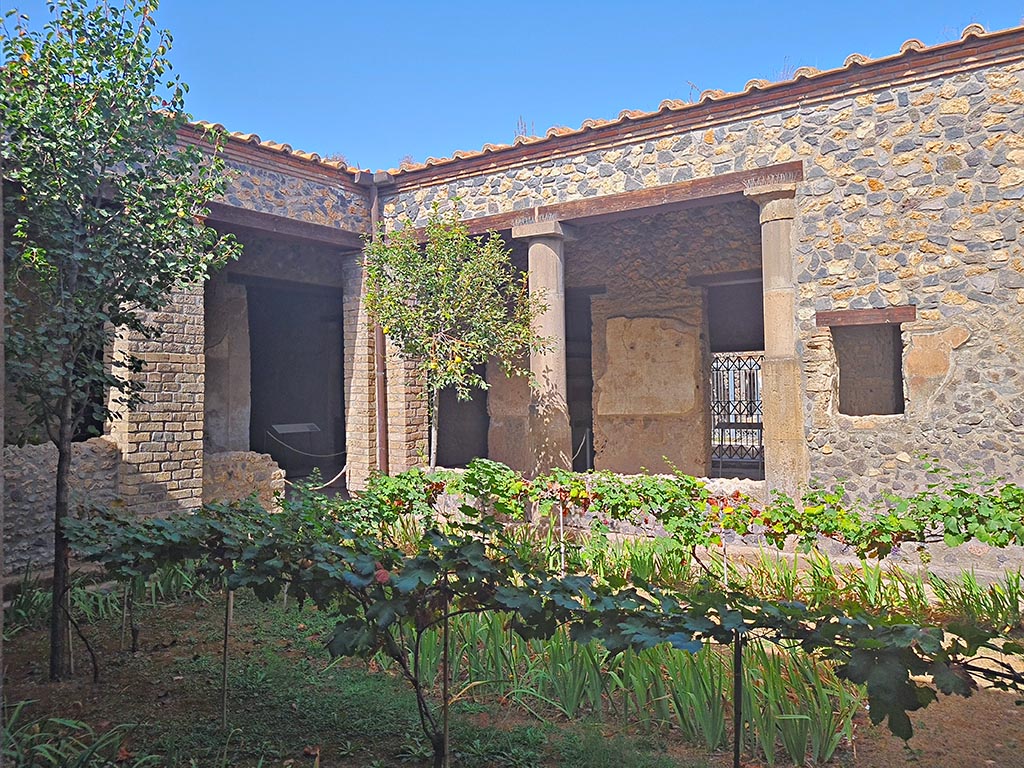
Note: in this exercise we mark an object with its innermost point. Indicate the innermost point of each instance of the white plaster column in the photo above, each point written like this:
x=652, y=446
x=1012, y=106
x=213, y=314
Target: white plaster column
x=785, y=443
x=550, y=435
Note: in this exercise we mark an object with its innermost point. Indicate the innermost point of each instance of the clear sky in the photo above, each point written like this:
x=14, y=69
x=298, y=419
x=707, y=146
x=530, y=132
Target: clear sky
x=378, y=81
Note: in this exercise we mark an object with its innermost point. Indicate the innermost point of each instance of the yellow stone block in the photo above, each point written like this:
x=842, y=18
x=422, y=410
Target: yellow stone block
x=958, y=106
x=1000, y=80
x=1010, y=176
x=783, y=153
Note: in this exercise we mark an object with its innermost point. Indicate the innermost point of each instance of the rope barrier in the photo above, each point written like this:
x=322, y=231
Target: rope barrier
x=274, y=437
x=586, y=434
x=325, y=485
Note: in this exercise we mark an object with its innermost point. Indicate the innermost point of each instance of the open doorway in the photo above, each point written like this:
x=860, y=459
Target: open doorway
x=736, y=340
x=296, y=375
x=462, y=427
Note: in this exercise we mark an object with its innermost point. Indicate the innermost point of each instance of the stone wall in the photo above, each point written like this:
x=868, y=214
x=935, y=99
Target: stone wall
x=912, y=193
x=282, y=258
x=298, y=191
x=235, y=475
x=162, y=440
x=29, y=477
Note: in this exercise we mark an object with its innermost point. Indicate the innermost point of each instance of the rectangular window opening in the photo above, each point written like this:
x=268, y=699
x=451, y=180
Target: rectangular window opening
x=870, y=361
x=869, y=351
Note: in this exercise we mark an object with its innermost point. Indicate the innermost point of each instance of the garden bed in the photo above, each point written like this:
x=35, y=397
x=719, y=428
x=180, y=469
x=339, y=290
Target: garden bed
x=284, y=705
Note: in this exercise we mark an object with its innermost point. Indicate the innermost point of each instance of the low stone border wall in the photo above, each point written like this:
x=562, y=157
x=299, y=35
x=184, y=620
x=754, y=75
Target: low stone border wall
x=986, y=561
x=29, y=475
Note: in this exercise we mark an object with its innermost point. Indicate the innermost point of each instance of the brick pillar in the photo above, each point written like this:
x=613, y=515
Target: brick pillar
x=161, y=441
x=360, y=401
x=787, y=465
x=408, y=418
x=550, y=434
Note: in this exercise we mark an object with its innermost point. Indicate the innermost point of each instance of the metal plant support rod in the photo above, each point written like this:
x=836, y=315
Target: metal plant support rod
x=737, y=698
x=229, y=605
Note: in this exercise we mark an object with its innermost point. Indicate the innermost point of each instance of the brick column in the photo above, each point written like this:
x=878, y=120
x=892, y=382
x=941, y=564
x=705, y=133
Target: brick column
x=787, y=464
x=161, y=441
x=408, y=417
x=360, y=397
x=550, y=434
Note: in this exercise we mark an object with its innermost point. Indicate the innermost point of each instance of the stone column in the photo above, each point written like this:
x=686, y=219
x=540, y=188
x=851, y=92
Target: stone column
x=786, y=460
x=550, y=436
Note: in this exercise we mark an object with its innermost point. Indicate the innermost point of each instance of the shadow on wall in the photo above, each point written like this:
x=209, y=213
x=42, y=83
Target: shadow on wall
x=550, y=435
x=29, y=488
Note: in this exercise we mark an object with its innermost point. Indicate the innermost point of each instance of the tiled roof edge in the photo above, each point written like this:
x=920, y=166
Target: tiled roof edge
x=909, y=47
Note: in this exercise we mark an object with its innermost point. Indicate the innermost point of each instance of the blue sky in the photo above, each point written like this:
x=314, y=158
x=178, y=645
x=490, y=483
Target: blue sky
x=377, y=81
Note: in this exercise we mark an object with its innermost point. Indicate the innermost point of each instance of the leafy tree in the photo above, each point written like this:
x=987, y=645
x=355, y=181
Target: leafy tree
x=106, y=211
x=450, y=305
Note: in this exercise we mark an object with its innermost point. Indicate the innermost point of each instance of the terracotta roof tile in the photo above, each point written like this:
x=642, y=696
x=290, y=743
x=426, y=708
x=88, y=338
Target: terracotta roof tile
x=284, y=149
x=558, y=131
x=677, y=105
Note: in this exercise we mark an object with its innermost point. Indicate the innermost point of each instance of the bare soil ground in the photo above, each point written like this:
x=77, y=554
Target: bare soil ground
x=172, y=681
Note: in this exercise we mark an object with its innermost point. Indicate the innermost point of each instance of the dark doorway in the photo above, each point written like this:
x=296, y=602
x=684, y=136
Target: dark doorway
x=297, y=405
x=736, y=340
x=580, y=376
x=462, y=427
x=736, y=317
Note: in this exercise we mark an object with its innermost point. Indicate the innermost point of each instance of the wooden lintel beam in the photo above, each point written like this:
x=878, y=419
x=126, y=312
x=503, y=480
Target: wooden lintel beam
x=906, y=313
x=740, y=277
x=281, y=225
x=681, y=194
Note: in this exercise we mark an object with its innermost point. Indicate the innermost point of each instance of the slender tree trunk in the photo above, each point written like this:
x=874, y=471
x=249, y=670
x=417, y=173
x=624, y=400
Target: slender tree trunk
x=3, y=311
x=435, y=412
x=229, y=609
x=60, y=630
x=446, y=680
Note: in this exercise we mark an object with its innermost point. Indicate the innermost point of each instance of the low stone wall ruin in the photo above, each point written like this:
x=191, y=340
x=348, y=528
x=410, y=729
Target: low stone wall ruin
x=234, y=475
x=29, y=473
x=29, y=487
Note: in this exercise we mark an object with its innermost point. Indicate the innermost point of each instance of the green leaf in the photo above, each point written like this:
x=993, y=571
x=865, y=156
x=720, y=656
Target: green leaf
x=351, y=637
x=419, y=572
